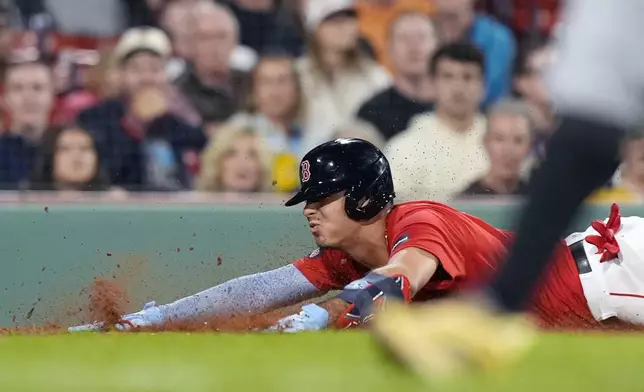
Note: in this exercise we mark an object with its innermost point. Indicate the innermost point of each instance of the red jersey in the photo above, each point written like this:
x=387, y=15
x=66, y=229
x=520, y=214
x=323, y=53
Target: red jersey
x=469, y=250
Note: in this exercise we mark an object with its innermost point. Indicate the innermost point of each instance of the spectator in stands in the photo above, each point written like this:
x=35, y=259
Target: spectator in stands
x=103, y=80
x=412, y=43
x=442, y=152
x=6, y=34
x=290, y=33
x=362, y=130
x=507, y=142
x=632, y=172
x=337, y=78
x=628, y=184
x=176, y=21
x=258, y=22
x=529, y=84
x=375, y=19
x=235, y=160
x=457, y=20
x=215, y=89
x=275, y=103
x=28, y=99
x=148, y=136
x=67, y=159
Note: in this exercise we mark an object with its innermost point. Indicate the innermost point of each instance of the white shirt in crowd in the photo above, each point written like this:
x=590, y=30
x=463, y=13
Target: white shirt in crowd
x=433, y=162
x=329, y=105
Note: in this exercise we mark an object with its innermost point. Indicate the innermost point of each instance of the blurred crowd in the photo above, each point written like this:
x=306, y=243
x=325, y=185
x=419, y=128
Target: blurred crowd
x=227, y=96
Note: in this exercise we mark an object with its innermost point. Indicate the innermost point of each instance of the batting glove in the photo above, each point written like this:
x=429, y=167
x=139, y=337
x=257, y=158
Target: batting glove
x=151, y=315
x=311, y=318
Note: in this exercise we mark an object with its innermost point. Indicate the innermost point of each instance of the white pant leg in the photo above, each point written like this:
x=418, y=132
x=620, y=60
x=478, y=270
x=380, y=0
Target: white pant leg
x=624, y=277
x=599, y=68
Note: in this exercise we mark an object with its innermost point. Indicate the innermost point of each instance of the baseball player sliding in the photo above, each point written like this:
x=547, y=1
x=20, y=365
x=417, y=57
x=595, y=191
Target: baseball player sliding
x=374, y=250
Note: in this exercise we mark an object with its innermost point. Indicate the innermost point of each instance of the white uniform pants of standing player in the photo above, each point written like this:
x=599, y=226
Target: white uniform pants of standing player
x=615, y=288
x=599, y=66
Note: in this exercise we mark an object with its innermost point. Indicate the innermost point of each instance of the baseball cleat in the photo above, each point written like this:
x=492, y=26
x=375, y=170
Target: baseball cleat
x=449, y=338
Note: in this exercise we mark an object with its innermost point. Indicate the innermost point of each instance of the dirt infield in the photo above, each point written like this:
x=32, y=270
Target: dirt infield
x=108, y=299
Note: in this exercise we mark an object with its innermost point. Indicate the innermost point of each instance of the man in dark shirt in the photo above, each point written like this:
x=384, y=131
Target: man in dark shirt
x=213, y=87
x=28, y=98
x=412, y=43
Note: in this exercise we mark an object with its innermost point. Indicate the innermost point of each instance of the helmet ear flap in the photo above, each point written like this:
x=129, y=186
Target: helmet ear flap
x=365, y=203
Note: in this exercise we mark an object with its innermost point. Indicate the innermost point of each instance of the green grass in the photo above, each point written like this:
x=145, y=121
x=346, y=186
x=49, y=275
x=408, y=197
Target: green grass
x=330, y=362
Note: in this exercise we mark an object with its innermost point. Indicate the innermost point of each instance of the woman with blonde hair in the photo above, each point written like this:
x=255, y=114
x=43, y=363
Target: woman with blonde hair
x=236, y=160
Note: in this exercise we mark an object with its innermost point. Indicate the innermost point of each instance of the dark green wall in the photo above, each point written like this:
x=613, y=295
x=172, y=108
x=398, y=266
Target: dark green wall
x=163, y=251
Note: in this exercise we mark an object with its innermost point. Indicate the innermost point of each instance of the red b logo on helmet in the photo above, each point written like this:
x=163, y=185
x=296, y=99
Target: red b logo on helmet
x=306, y=174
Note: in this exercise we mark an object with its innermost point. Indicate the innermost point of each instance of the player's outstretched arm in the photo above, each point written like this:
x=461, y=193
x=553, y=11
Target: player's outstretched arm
x=248, y=294
x=406, y=272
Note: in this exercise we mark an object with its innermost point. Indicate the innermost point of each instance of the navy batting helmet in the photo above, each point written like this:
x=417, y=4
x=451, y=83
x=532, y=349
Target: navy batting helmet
x=354, y=166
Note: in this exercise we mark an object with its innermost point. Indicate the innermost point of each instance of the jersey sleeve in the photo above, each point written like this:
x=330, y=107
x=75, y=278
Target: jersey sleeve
x=428, y=231
x=327, y=269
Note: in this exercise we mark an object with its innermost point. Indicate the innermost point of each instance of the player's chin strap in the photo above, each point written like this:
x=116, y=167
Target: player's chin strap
x=369, y=294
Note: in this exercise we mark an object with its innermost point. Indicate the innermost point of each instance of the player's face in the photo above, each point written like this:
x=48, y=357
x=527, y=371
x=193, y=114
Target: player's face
x=508, y=144
x=459, y=88
x=329, y=224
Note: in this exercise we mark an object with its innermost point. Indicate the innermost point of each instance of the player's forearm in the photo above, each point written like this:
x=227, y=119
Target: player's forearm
x=248, y=294
x=417, y=265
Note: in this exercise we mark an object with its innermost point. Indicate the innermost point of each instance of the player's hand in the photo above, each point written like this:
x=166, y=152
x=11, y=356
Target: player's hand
x=311, y=318
x=151, y=315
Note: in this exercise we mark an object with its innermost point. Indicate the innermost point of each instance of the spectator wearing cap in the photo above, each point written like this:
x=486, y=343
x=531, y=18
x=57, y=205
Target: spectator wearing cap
x=28, y=100
x=149, y=136
x=442, y=151
x=457, y=20
x=507, y=142
x=412, y=43
x=215, y=88
x=337, y=77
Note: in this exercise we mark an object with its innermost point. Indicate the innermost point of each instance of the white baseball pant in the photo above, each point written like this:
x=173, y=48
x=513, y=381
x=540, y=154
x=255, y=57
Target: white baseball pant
x=615, y=288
